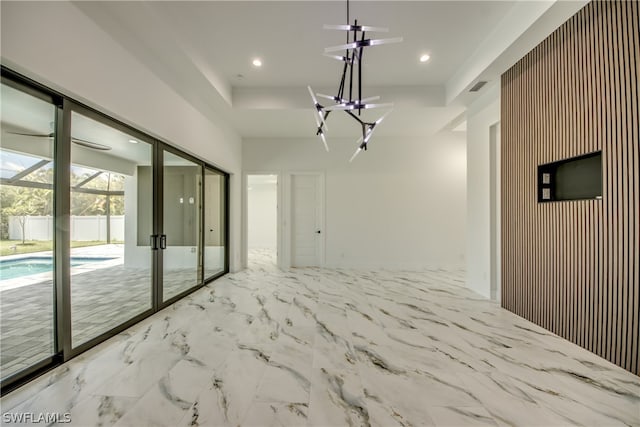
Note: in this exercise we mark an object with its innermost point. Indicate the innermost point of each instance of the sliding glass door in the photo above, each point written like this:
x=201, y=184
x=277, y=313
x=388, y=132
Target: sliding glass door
x=180, y=239
x=27, y=293
x=110, y=224
x=111, y=234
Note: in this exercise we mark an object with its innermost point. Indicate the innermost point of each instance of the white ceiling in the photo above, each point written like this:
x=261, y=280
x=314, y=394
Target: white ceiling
x=200, y=47
x=290, y=38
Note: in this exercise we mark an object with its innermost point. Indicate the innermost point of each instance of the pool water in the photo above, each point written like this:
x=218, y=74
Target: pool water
x=10, y=269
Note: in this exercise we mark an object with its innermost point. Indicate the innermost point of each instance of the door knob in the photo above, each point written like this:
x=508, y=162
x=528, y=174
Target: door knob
x=318, y=231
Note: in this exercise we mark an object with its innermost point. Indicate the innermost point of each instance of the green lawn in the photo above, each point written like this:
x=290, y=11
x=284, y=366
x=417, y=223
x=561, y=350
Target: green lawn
x=13, y=247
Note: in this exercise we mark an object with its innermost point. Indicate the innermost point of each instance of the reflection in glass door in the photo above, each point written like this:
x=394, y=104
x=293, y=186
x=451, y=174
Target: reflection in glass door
x=110, y=224
x=26, y=231
x=180, y=241
x=214, y=222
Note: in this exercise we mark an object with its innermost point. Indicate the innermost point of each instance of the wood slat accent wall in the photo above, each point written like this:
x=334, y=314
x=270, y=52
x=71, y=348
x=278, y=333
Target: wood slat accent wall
x=573, y=267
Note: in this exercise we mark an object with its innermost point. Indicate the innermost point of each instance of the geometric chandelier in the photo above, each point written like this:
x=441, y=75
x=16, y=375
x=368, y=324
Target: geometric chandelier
x=351, y=81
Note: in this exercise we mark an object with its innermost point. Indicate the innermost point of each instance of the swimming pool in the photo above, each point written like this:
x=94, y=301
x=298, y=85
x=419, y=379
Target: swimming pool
x=10, y=269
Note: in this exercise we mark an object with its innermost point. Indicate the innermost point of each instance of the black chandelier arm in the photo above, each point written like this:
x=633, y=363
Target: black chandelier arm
x=360, y=52
x=322, y=124
x=326, y=114
x=347, y=19
x=344, y=76
x=353, y=57
x=363, y=124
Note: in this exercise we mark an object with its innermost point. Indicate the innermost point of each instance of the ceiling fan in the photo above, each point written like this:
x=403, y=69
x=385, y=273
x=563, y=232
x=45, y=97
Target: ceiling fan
x=78, y=141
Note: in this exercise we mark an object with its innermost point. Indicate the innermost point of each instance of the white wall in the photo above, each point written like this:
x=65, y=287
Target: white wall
x=481, y=115
x=56, y=44
x=262, y=210
x=401, y=204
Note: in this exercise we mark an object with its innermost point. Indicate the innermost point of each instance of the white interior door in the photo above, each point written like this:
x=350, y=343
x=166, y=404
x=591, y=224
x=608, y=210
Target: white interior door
x=306, y=231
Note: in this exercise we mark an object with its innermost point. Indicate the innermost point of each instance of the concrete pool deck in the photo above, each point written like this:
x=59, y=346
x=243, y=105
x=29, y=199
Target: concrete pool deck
x=115, y=251
x=101, y=299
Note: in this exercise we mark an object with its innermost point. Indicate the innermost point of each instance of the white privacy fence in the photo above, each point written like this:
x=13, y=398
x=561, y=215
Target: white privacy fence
x=82, y=228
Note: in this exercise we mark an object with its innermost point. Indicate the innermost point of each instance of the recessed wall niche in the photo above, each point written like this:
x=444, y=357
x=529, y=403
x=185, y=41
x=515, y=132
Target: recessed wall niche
x=576, y=178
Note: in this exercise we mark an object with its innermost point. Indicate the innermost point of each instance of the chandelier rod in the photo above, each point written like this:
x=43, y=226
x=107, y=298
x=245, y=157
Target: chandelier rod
x=348, y=20
x=358, y=119
x=353, y=57
x=360, y=52
x=342, y=81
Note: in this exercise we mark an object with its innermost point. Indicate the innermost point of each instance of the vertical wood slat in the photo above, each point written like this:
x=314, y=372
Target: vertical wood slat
x=613, y=193
x=580, y=208
x=631, y=208
x=582, y=213
x=623, y=189
x=598, y=55
x=636, y=148
x=634, y=34
x=573, y=267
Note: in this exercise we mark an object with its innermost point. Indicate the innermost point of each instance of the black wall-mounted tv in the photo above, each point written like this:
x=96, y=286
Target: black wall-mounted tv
x=577, y=178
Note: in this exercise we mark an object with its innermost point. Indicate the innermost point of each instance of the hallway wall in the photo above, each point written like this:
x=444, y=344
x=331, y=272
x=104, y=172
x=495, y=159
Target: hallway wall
x=401, y=204
x=483, y=113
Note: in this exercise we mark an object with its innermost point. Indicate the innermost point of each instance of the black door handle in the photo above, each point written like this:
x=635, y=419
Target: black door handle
x=318, y=232
x=153, y=242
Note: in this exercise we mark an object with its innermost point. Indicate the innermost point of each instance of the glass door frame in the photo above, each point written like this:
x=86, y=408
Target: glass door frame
x=225, y=212
x=62, y=204
x=162, y=148
x=38, y=91
x=64, y=216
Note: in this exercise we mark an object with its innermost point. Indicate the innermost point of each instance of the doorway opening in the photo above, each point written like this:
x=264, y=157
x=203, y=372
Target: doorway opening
x=494, y=180
x=262, y=220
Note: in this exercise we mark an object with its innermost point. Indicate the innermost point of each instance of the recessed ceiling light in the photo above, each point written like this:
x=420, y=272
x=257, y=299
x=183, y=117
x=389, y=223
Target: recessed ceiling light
x=257, y=62
x=133, y=141
x=424, y=58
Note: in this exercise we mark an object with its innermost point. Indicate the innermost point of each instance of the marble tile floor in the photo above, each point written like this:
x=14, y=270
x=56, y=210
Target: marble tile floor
x=321, y=347
x=101, y=299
